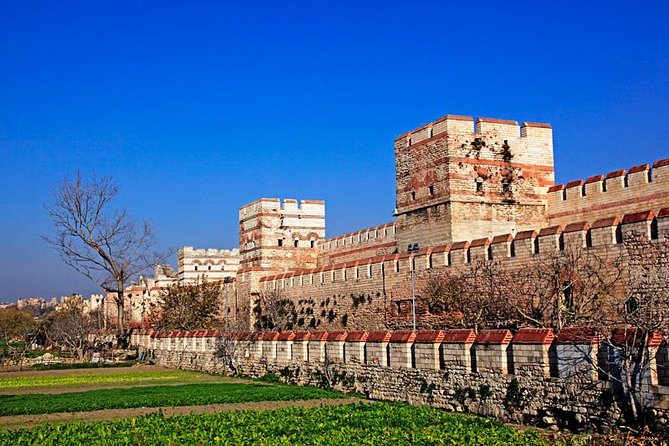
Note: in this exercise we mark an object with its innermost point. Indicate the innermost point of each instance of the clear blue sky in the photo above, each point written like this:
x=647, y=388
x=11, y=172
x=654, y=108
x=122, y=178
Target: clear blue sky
x=199, y=107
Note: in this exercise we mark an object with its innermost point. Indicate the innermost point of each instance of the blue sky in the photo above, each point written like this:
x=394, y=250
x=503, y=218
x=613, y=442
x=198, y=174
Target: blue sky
x=198, y=108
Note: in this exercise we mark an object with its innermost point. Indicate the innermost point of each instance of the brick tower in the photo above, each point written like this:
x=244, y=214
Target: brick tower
x=274, y=237
x=458, y=182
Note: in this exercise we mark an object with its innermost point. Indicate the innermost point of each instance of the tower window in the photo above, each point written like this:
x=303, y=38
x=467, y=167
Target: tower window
x=506, y=188
x=413, y=195
x=654, y=230
x=312, y=243
x=479, y=185
x=280, y=242
x=295, y=243
x=431, y=190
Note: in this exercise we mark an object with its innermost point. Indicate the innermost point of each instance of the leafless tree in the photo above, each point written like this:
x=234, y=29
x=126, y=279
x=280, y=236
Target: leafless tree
x=231, y=344
x=69, y=327
x=106, y=246
x=189, y=307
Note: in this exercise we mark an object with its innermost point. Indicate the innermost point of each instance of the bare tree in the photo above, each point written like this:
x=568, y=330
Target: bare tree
x=189, y=307
x=106, y=246
x=69, y=327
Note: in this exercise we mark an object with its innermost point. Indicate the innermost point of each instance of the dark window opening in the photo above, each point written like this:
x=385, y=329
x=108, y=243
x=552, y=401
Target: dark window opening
x=583, y=190
x=619, y=234
x=397, y=267
x=295, y=243
x=561, y=242
x=468, y=256
x=513, y=249
x=479, y=185
x=280, y=241
x=429, y=261
x=564, y=194
x=489, y=252
x=195, y=267
x=604, y=186
x=313, y=244
x=632, y=305
x=535, y=245
x=588, y=239
x=568, y=295
x=413, y=195
x=650, y=175
x=209, y=268
x=506, y=188
x=431, y=190
x=654, y=230
x=626, y=180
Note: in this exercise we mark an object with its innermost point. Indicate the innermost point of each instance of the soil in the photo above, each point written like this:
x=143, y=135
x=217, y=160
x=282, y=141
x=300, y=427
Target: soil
x=29, y=421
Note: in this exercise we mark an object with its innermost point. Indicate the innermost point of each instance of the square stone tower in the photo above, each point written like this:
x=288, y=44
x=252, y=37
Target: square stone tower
x=456, y=181
x=276, y=236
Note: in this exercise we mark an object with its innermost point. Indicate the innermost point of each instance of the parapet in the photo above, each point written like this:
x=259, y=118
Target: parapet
x=288, y=205
x=464, y=125
x=189, y=251
x=622, y=191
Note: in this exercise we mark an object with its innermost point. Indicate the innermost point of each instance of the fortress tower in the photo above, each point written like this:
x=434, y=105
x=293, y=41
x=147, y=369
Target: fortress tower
x=456, y=181
x=277, y=236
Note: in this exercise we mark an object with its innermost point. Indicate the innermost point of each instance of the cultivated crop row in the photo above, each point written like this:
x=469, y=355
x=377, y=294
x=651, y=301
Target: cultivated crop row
x=359, y=424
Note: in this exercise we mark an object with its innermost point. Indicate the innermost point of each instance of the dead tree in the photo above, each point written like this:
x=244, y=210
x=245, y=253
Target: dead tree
x=104, y=245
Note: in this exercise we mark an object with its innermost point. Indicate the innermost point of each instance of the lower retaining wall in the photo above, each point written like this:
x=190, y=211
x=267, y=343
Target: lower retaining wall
x=529, y=398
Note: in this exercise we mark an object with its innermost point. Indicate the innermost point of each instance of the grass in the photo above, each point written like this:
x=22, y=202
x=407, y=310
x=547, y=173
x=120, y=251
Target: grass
x=157, y=396
x=101, y=377
x=359, y=424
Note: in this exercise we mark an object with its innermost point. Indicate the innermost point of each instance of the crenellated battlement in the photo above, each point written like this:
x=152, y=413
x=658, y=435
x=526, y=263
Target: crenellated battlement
x=619, y=192
x=189, y=251
x=287, y=205
x=482, y=127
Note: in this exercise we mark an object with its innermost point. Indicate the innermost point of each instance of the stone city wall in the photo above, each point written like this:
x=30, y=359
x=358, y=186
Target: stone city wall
x=365, y=243
x=375, y=293
x=614, y=194
x=532, y=376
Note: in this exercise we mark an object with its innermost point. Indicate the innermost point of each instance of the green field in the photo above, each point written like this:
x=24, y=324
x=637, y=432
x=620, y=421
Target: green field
x=157, y=396
x=94, y=377
x=359, y=424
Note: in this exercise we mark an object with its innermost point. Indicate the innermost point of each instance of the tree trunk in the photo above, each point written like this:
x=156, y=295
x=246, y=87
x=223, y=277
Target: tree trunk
x=120, y=300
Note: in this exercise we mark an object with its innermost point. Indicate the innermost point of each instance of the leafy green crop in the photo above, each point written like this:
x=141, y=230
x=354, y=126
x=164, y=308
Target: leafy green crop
x=156, y=396
x=359, y=424
x=80, y=365
x=96, y=377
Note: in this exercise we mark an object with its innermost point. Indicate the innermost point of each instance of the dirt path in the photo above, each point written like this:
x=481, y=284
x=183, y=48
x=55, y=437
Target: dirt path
x=28, y=421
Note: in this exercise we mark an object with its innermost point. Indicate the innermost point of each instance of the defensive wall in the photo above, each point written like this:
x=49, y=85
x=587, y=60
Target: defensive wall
x=214, y=264
x=531, y=376
x=369, y=242
x=617, y=193
x=375, y=293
